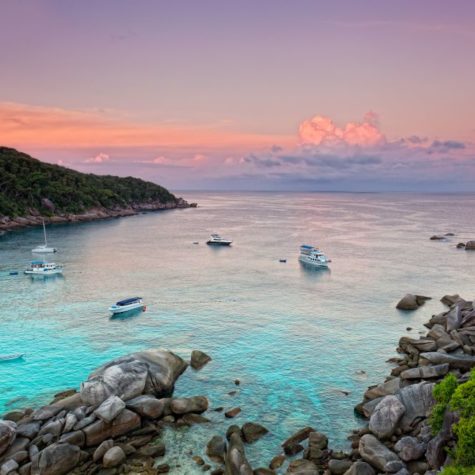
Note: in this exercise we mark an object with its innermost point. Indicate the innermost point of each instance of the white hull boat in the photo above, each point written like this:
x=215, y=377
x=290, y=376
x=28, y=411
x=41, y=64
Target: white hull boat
x=15, y=356
x=43, y=269
x=313, y=257
x=44, y=248
x=127, y=305
x=217, y=240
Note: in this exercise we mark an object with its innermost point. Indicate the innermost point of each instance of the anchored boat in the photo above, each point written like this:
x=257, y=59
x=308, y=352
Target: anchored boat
x=126, y=305
x=217, y=240
x=41, y=268
x=312, y=256
x=43, y=248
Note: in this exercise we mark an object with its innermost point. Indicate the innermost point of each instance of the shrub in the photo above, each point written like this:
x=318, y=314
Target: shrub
x=442, y=394
x=457, y=470
x=465, y=447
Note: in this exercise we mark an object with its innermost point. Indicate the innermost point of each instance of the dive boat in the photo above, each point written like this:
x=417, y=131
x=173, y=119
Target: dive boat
x=312, y=256
x=217, y=240
x=122, y=306
x=43, y=248
x=42, y=268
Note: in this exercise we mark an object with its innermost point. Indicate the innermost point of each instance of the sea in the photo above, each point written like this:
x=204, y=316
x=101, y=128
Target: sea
x=304, y=344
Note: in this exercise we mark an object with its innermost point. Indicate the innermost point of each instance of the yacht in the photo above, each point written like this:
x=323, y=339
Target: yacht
x=122, y=306
x=217, y=240
x=312, y=256
x=42, y=268
x=43, y=248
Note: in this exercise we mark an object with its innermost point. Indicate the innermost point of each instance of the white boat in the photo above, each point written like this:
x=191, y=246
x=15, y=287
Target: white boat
x=14, y=356
x=126, y=305
x=312, y=256
x=43, y=248
x=42, y=268
x=217, y=240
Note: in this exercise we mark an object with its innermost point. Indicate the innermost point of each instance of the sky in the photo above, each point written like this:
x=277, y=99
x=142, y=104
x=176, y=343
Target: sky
x=308, y=95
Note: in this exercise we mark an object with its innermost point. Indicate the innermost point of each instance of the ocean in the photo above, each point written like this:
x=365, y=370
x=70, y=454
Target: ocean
x=304, y=344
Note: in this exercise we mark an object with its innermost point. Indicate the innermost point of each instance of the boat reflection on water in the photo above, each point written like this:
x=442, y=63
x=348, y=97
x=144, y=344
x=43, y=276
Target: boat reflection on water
x=315, y=274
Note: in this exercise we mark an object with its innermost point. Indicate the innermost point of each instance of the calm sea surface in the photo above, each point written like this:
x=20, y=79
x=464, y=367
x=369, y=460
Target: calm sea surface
x=295, y=338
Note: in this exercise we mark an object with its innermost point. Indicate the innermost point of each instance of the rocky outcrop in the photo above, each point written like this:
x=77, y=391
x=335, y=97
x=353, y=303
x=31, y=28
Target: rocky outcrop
x=386, y=416
x=151, y=372
x=199, y=359
x=411, y=302
x=8, y=431
x=377, y=454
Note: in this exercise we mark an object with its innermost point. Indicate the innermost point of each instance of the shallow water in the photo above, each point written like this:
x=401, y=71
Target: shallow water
x=295, y=338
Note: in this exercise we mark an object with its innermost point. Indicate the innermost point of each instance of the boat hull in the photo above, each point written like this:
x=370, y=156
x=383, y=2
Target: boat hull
x=221, y=243
x=44, y=273
x=116, y=309
x=314, y=264
x=46, y=250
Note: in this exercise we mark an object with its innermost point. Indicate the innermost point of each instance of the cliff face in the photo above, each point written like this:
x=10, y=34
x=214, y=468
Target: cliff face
x=31, y=191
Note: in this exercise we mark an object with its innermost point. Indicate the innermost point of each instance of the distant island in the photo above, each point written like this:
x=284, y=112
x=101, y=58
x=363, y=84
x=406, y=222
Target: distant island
x=31, y=190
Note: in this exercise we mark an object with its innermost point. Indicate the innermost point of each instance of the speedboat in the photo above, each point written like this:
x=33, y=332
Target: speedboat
x=44, y=248
x=217, y=240
x=312, y=256
x=42, y=268
x=126, y=305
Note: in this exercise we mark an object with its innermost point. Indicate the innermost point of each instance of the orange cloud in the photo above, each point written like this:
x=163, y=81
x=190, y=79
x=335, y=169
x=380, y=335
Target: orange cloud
x=44, y=127
x=321, y=130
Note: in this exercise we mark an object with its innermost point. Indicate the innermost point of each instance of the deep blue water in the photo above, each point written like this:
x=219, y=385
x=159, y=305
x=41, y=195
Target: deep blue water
x=295, y=338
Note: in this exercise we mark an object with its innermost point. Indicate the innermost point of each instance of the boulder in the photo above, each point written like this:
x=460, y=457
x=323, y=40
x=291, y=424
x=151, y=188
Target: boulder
x=298, y=437
x=110, y=409
x=421, y=345
x=8, y=467
x=29, y=430
x=360, y=468
x=235, y=461
x=252, y=432
x=147, y=406
x=411, y=302
x=113, y=457
x=69, y=422
x=375, y=453
x=54, y=427
x=46, y=412
x=409, y=448
x=302, y=467
x=8, y=431
x=418, y=400
x=196, y=404
x=317, y=444
x=449, y=300
x=384, y=389
x=232, y=412
x=338, y=467
x=426, y=372
x=385, y=418
x=470, y=246
x=454, y=318
x=436, y=237
x=199, y=359
x=277, y=462
x=463, y=362
x=76, y=437
x=56, y=459
x=216, y=449
x=99, y=431
x=151, y=372
x=368, y=407
x=102, y=449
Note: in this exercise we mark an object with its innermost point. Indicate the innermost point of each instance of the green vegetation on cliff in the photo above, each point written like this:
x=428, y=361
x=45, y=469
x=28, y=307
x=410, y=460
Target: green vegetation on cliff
x=459, y=398
x=27, y=183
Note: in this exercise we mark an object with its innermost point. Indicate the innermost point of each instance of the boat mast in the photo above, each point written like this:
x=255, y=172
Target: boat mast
x=44, y=232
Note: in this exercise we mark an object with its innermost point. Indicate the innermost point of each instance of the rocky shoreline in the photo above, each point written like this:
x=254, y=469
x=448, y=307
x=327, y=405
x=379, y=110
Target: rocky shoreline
x=36, y=219
x=115, y=422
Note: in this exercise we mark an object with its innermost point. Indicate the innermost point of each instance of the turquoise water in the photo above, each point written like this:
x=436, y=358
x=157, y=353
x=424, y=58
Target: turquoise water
x=295, y=338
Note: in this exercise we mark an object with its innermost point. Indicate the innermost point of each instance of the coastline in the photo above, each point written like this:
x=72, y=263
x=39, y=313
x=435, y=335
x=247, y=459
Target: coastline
x=129, y=413
x=93, y=214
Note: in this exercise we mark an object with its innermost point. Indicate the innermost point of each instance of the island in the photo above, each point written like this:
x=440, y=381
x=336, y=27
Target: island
x=32, y=191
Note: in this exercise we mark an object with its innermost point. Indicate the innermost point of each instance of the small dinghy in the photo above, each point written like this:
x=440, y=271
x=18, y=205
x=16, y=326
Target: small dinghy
x=14, y=356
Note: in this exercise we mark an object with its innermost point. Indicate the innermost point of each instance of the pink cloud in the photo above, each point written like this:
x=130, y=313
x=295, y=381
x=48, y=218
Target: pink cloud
x=99, y=158
x=321, y=130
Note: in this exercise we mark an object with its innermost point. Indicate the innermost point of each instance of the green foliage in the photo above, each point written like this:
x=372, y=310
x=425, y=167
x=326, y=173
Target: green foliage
x=25, y=182
x=463, y=399
x=457, y=470
x=442, y=395
x=465, y=448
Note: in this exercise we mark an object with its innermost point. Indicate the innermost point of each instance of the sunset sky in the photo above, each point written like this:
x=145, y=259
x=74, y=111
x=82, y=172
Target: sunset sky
x=364, y=95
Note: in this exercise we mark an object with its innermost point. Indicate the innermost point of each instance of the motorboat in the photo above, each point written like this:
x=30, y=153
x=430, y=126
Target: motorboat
x=126, y=305
x=42, y=268
x=312, y=256
x=217, y=240
x=44, y=248
x=12, y=357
